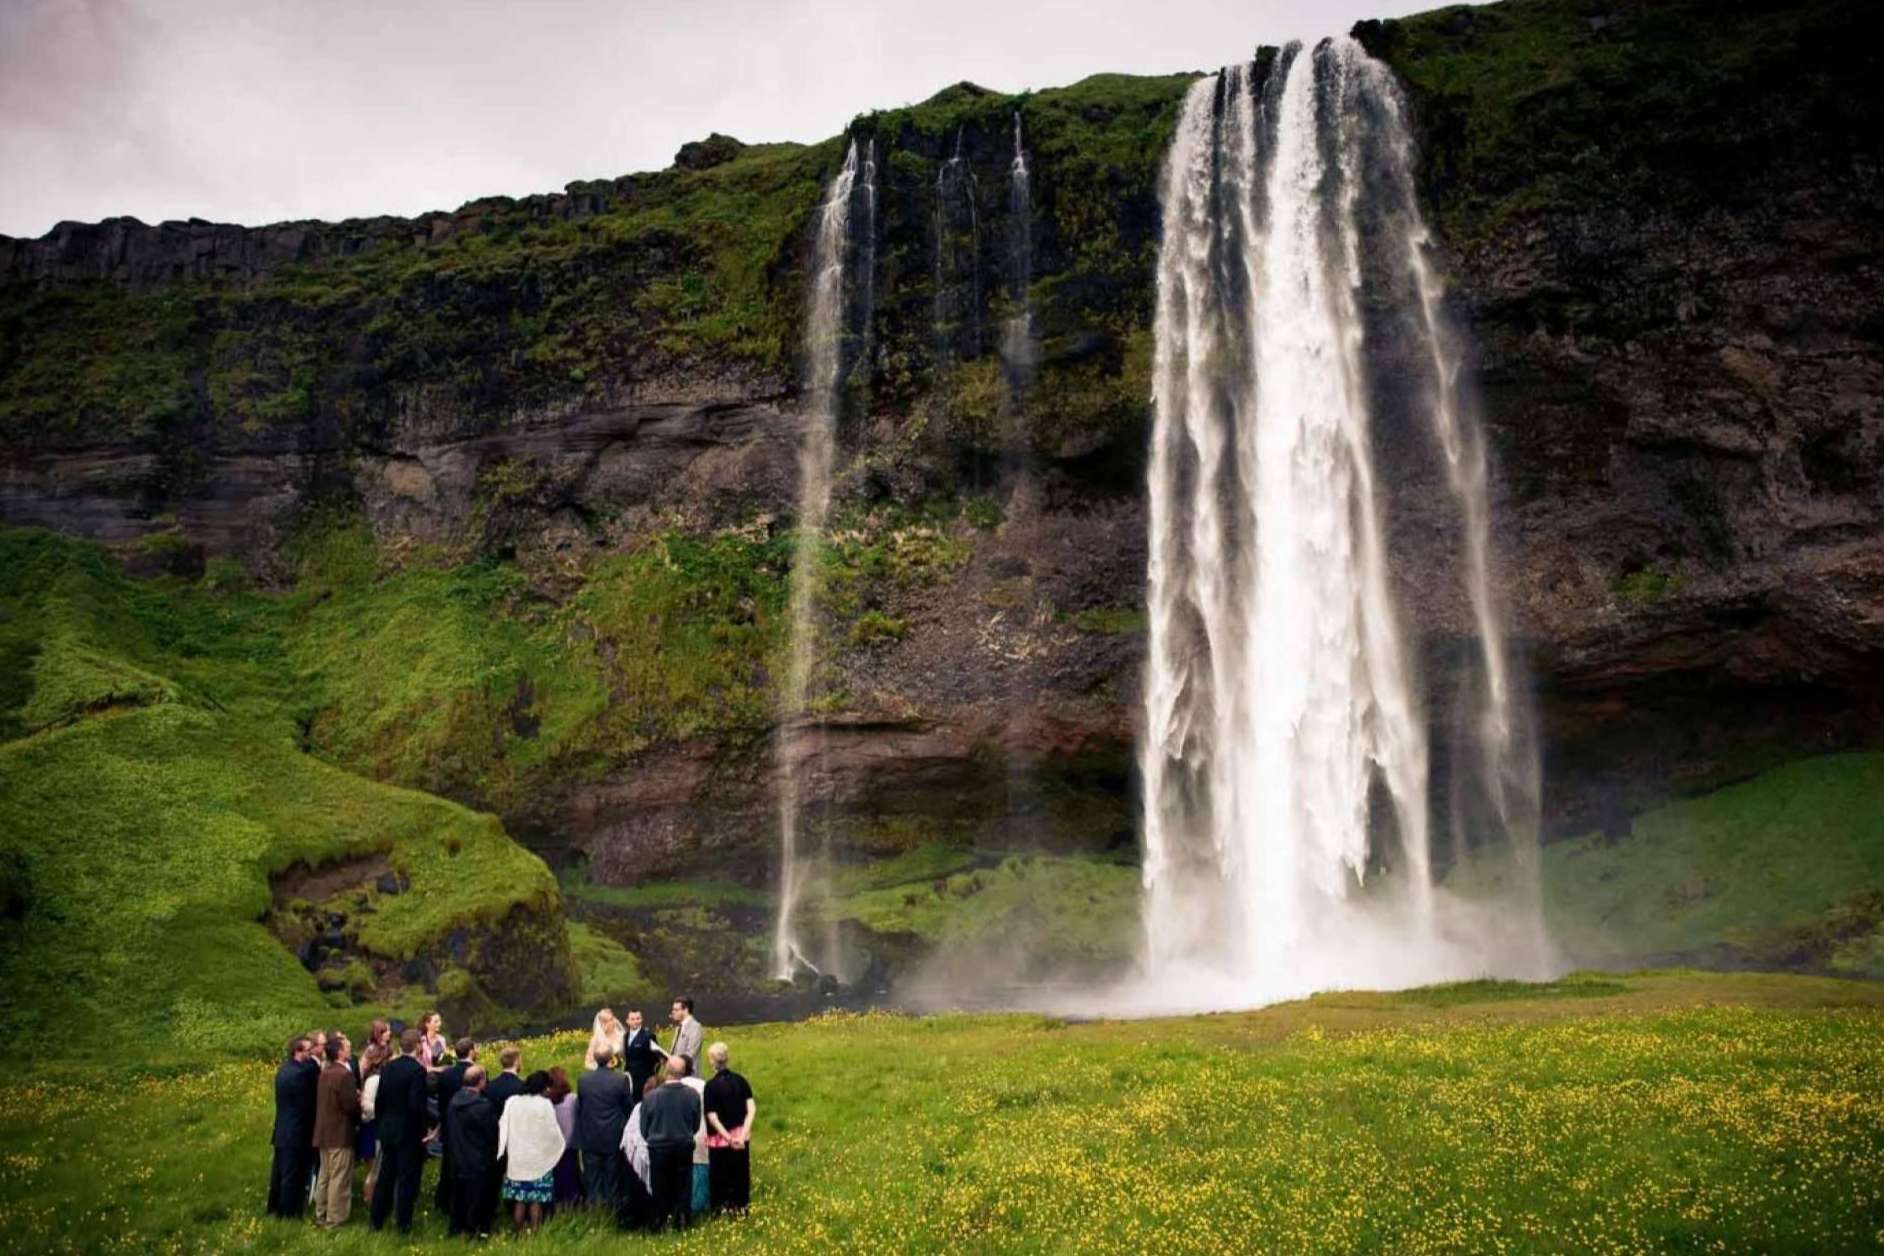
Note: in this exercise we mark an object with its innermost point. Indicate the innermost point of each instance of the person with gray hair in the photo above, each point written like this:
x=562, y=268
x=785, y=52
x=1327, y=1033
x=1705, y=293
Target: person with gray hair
x=669, y=1116
x=730, y=1109
x=602, y=1107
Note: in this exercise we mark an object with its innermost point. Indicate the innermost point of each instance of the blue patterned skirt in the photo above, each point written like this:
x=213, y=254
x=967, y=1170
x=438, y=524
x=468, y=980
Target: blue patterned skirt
x=536, y=1192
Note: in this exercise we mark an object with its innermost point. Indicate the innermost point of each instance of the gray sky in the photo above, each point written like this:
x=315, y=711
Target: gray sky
x=260, y=110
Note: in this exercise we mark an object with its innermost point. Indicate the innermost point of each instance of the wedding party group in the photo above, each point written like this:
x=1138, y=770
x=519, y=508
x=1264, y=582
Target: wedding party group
x=639, y=1136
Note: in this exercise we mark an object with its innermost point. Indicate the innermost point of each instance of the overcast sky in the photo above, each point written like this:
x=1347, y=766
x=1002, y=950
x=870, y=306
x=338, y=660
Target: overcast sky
x=260, y=110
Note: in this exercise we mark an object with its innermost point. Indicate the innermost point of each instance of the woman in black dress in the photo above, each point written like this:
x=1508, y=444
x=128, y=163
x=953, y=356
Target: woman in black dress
x=730, y=1109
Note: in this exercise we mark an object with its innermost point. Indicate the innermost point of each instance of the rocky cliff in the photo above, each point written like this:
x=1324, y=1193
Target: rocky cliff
x=562, y=430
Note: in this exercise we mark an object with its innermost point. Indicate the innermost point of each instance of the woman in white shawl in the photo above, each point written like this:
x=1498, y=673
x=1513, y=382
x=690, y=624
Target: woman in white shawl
x=608, y=1033
x=530, y=1142
x=637, y=1202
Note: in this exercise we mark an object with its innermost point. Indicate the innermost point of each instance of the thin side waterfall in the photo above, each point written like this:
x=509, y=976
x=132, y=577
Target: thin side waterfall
x=1017, y=333
x=824, y=344
x=867, y=251
x=957, y=261
x=1285, y=752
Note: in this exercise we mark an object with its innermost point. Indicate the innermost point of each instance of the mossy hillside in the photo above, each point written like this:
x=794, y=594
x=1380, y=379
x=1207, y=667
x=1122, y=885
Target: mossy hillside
x=141, y=823
x=465, y=680
x=685, y=935
x=1651, y=1112
x=1541, y=105
x=609, y=973
x=505, y=308
x=508, y=308
x=1786, y=869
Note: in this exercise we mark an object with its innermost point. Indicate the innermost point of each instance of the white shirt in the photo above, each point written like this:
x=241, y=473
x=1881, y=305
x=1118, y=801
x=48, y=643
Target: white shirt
x=368, y=1096
x=698, y=1086
x=529, y=1135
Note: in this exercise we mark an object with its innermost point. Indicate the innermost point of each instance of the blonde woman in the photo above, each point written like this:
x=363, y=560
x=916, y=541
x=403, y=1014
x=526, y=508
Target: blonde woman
x=730, y=1109
x=608, y=1033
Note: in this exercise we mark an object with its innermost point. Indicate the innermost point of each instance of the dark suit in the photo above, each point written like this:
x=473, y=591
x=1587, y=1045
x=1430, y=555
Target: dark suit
x=602, y=1107
x=637, y=1053
x=291, y=1176
x=502, y=1089
x=401, y=1125
x=471, y=1151
x=446, y=1084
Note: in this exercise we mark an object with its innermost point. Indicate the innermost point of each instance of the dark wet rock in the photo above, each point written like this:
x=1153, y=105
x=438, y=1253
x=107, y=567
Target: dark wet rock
x=714, y=150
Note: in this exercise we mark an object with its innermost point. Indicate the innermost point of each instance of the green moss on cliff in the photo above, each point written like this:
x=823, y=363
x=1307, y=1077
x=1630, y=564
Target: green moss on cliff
x=607, y=972
x=89, y=360
x=151, y=786
x=1049, y=911
x=464, y=680
x=684, y=629
x=1534, y=104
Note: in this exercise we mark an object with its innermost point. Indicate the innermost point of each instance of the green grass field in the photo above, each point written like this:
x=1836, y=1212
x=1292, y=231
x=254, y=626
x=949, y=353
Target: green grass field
x=1664, y=1111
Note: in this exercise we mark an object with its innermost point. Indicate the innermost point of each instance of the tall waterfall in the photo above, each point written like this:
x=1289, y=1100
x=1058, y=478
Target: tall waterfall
x=1285, y=753
x=1017, y=333
x=825, y=331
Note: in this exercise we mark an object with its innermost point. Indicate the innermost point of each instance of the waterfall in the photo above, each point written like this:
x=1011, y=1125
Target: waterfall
x=957, y=269
x=824, y=351
x=1285, y=755
x=1017, y=333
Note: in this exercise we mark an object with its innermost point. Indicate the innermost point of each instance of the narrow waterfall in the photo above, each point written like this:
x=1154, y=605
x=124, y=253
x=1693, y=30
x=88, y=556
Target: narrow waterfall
x=825, y=358
x=1285, y=754
x=1017, y=333
x=957, y=259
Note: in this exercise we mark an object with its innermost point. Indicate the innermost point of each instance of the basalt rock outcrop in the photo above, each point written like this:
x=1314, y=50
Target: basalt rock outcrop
x=1661, y=226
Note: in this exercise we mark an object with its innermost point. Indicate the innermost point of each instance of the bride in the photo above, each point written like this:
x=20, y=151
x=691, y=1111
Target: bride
x=608, y=1033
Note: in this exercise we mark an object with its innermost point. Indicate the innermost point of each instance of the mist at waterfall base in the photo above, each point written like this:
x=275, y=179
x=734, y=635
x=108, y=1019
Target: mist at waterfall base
x=1303, y=827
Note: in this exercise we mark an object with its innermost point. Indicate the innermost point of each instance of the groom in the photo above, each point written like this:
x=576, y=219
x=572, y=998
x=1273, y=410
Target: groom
x=637, y=1053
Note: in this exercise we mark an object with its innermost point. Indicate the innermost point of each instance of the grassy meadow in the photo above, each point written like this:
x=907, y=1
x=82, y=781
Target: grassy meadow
x=1653, y=1111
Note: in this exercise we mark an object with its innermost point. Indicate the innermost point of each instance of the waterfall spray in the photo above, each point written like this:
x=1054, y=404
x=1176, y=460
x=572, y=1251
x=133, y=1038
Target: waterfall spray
x=824, y=344
x=1285, y=756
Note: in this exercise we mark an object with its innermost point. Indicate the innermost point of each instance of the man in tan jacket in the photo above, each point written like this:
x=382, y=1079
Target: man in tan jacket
x=336, y=1134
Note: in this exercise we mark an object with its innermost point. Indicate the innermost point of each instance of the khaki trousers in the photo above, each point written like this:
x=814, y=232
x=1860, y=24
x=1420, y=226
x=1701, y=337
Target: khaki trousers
x=333, y=1193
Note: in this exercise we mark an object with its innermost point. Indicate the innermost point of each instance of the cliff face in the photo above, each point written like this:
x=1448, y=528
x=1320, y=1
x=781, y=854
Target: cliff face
x=1661, y=225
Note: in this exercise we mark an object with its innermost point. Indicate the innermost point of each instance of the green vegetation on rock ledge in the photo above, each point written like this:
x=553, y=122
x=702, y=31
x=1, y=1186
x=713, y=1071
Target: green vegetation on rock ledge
x=1670, y=101
x=467, y=681
x=1040, y=913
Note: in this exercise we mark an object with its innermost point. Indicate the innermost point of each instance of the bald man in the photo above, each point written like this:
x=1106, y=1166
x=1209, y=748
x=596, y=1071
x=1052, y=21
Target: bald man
x=670, y=1116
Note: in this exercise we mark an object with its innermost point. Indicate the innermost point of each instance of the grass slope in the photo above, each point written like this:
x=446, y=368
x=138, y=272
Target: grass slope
x=1652, y=1112
x=1786, y=867
x=152, y=783
x=1040, y=911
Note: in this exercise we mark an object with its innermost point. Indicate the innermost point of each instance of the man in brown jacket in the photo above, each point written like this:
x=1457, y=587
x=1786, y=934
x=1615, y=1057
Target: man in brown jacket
x=336, y=1134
